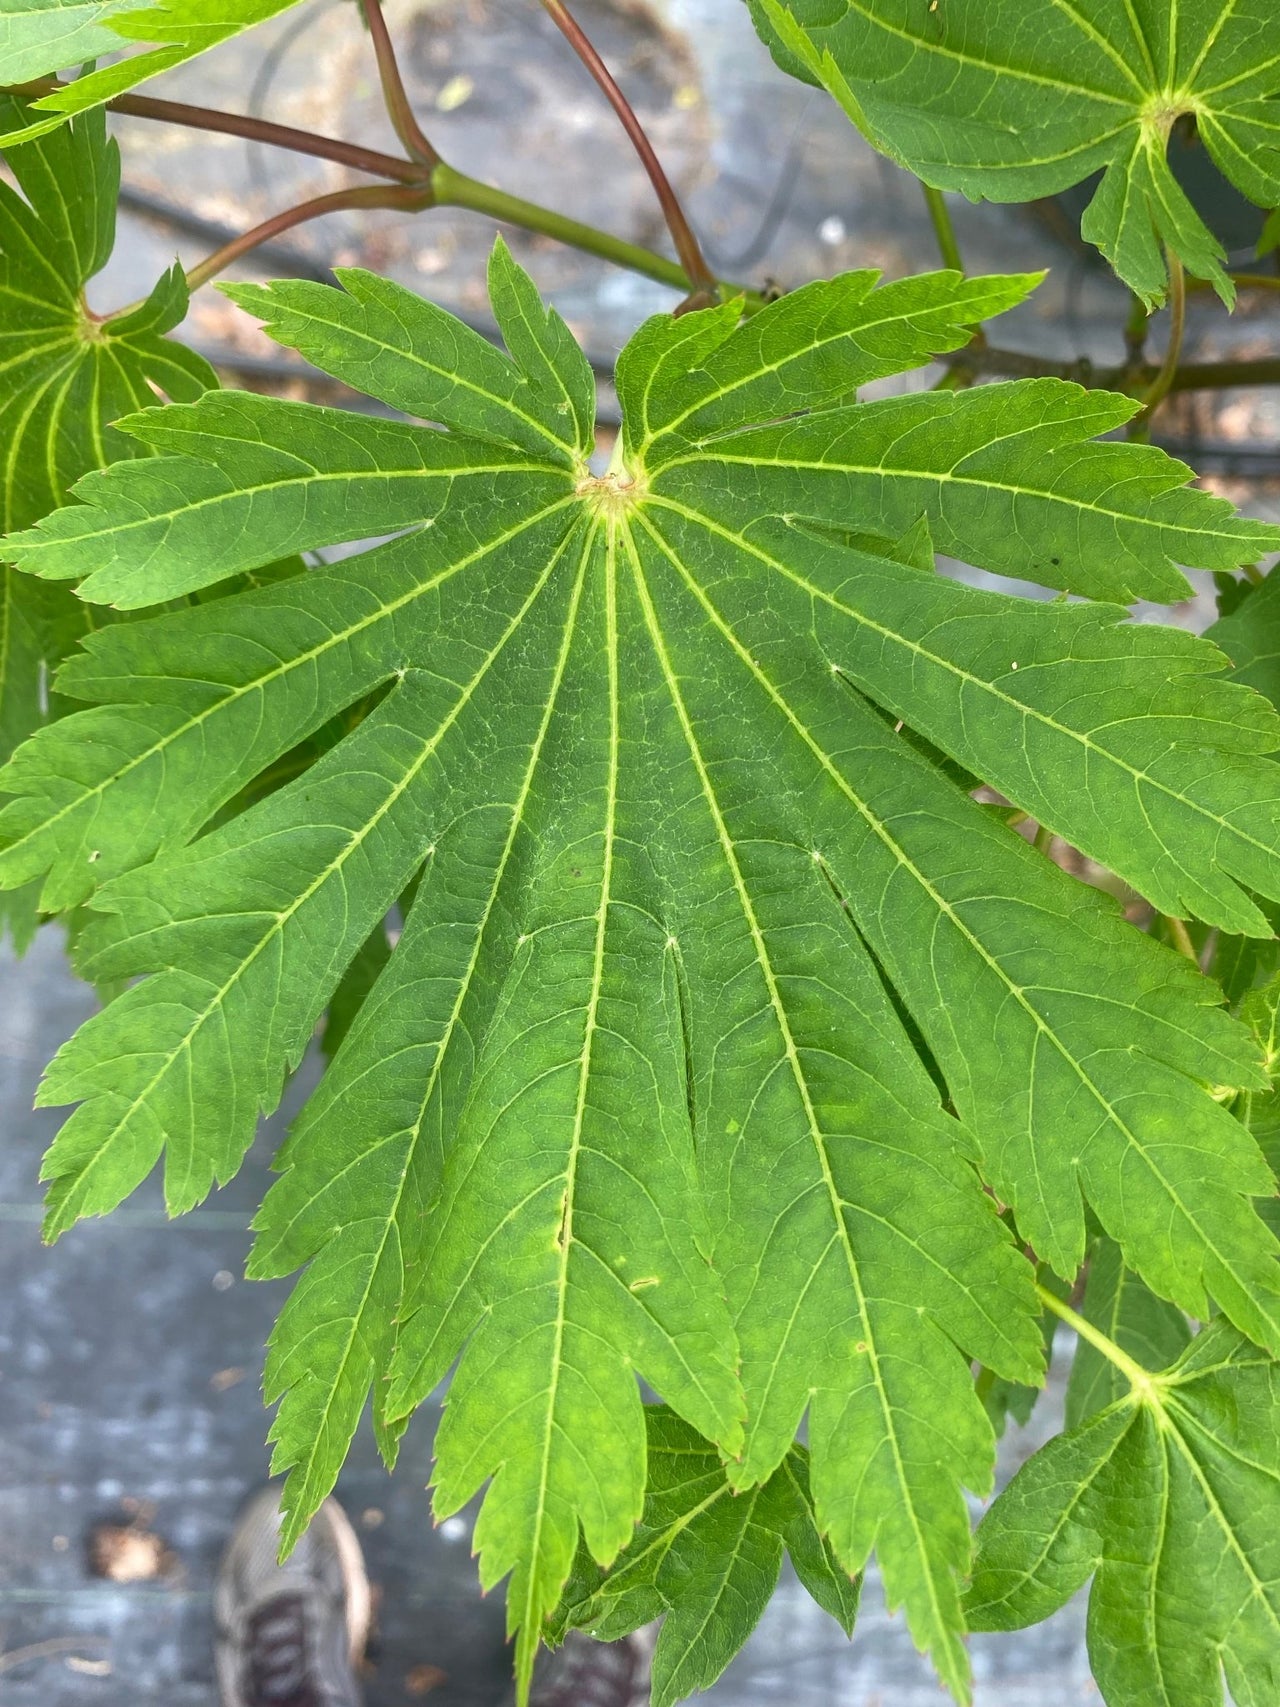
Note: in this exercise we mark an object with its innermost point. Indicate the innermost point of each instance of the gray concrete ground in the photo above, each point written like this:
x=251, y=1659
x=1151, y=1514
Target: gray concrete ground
x=130, y=1354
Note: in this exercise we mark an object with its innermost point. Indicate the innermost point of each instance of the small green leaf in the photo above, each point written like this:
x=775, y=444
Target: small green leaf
x=1168, y=1499
x=415, y=356
x=64, y=377
x=1028, y=696
x=1010, y=477
x=1017, y=99
x=265, y=477
x=815, y=347
x=705, y=1560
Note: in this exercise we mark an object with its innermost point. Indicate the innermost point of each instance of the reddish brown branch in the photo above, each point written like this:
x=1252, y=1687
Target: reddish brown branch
x=409, y=199
x=399, y=108
x=280, y=135
x=256, y=130
x=1190, y=376
x=687, y=246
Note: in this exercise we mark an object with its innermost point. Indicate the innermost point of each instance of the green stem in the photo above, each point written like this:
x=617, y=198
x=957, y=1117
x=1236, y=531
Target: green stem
x=1181, y=937
x=1145, y=1385
x=1164, y=379
x=1044, y=839
x=455, y=189
x=943, y=230
x=1135, y=331
x=447, y=187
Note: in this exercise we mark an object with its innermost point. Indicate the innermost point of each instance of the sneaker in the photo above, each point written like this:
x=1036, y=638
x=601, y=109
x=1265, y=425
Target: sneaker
x=291, y=1635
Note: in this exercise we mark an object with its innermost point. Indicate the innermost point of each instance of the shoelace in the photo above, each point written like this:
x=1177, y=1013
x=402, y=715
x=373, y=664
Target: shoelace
x=276, y=1663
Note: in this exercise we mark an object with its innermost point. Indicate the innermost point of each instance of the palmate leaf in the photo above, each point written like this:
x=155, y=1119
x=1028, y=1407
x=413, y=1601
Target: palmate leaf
x=638, y=1090
x=43, y=37
x=1167, y=1498
x=1015, y=99
x=705, y=1561
x=64, y=376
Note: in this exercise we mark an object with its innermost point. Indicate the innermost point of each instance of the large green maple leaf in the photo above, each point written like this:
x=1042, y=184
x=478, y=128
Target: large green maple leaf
x=65, y=374
x=1167, y=1498
x=1015, y=99
x=649, y=1082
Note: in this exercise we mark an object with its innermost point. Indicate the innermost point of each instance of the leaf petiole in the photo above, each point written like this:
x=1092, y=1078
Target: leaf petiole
x=1168, y=370
x=1181, y=937
x=403, y=196
x=448, y=188
x=456, y=189
x=370, y=160
x=399, y=108
x=1146, y=1386
x=943, y=230
x=702, y=279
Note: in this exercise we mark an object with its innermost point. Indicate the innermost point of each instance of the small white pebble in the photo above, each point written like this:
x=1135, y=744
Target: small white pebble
x=224, y=1280
x=453, y=1529
x=456, y=93
x=832, y=231
x=87, y=1668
